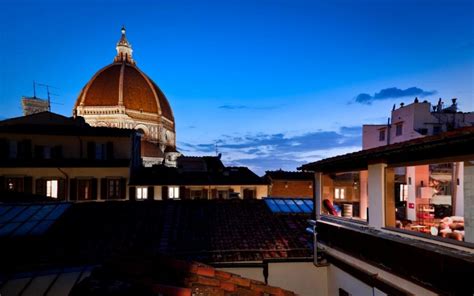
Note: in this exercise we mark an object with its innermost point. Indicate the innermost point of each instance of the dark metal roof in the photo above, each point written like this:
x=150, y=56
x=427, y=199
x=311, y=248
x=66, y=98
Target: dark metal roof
x=162, y=175
x=444, y=147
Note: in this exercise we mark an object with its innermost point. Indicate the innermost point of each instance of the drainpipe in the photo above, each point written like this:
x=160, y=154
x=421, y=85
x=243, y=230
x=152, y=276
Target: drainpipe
x=388, y=131
x=312, y=230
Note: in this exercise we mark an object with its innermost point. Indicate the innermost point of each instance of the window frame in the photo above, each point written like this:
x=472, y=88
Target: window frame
x=50, y=187
x=173, y=192
x=113, y=192
x=382, y=135
x=399, y=129
x=141, y=193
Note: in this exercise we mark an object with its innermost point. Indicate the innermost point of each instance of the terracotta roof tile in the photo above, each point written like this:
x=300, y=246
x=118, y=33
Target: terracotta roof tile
x=168, y=276
x=139, y=92
x=103, y=89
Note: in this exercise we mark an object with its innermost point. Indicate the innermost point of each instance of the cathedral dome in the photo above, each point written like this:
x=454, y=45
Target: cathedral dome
x=121, y=95
x=123, y=84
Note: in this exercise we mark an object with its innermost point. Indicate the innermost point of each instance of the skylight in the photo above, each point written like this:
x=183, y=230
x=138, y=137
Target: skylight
x=22, y=220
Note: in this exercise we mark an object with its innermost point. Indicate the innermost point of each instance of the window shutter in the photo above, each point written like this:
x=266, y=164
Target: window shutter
x=73, y=189
x=90, y=150
x=205, y=193
x=123, y=187
x=57, y=152
x=103, y=188
x=62, y=189
x=28, y=185
x=214, y=193
x=132, y=192
x=2, y=183
x=187, y=193
x=39, y=152
x=4, y=149
x=110, y=150
x=164, y=192
x=28, y=149
x=151, y=192
x=93, y=194
x=40, y=186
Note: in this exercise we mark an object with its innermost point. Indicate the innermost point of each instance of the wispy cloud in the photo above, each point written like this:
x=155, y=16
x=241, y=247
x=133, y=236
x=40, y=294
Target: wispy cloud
x=392, y=93
x=263, y=151
x=248, y=107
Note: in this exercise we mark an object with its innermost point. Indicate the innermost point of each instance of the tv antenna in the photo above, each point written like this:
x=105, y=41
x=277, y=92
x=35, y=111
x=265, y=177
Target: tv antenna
x=47, y=91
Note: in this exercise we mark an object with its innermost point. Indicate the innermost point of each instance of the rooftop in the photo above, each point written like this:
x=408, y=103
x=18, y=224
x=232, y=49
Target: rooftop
x=288, y=175
x=210, y=231
x=162, y=175
x=48, y=123
x=443, y=147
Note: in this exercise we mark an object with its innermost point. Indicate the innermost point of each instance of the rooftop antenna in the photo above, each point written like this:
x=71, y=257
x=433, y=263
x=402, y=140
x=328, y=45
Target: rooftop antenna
x=217, y=150
x=49, y=93
x=34, y=89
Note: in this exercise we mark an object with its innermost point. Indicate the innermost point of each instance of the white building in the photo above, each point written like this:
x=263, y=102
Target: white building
x=415, y=120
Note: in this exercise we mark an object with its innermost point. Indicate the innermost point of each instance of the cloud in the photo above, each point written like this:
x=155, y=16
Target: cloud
x=233, y=107
x=262, y=151
x=392, y=93
x=240, y=107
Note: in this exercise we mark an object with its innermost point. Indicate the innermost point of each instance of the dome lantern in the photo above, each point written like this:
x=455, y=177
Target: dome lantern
x=124, y=50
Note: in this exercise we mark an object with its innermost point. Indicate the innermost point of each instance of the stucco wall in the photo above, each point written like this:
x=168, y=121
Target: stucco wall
x=291, y=188
x=72, y=144
x=338, y=279
x=98, y=173
x=254, y=273
x=303, y=278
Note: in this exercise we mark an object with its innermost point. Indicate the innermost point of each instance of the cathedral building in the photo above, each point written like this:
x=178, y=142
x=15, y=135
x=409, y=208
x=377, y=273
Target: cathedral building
x=121, y=95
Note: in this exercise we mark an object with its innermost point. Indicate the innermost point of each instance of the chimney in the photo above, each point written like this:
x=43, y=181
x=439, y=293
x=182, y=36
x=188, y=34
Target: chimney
x=402, y=104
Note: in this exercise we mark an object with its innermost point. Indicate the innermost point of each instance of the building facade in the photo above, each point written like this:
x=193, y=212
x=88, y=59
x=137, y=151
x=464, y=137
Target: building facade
x=374, y=254
x=197, y=178
x=63, y=158
x=289, y=184
x=415, y=120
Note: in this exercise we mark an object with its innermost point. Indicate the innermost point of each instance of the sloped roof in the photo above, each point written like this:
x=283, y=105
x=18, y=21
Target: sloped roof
x=125, y=84
x=288, y=175
x=202, y=230
x=162, y=175
x=167, y=276
x=48, y=123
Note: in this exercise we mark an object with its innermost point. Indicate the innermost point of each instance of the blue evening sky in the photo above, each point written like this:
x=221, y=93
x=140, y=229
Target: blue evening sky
x=274, y=83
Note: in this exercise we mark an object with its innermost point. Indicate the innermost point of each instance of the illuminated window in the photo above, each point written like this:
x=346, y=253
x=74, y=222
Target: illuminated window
x=52, y=188
x=403, y=192
x=339, y=193
x=173, y=192
x=142, y=192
